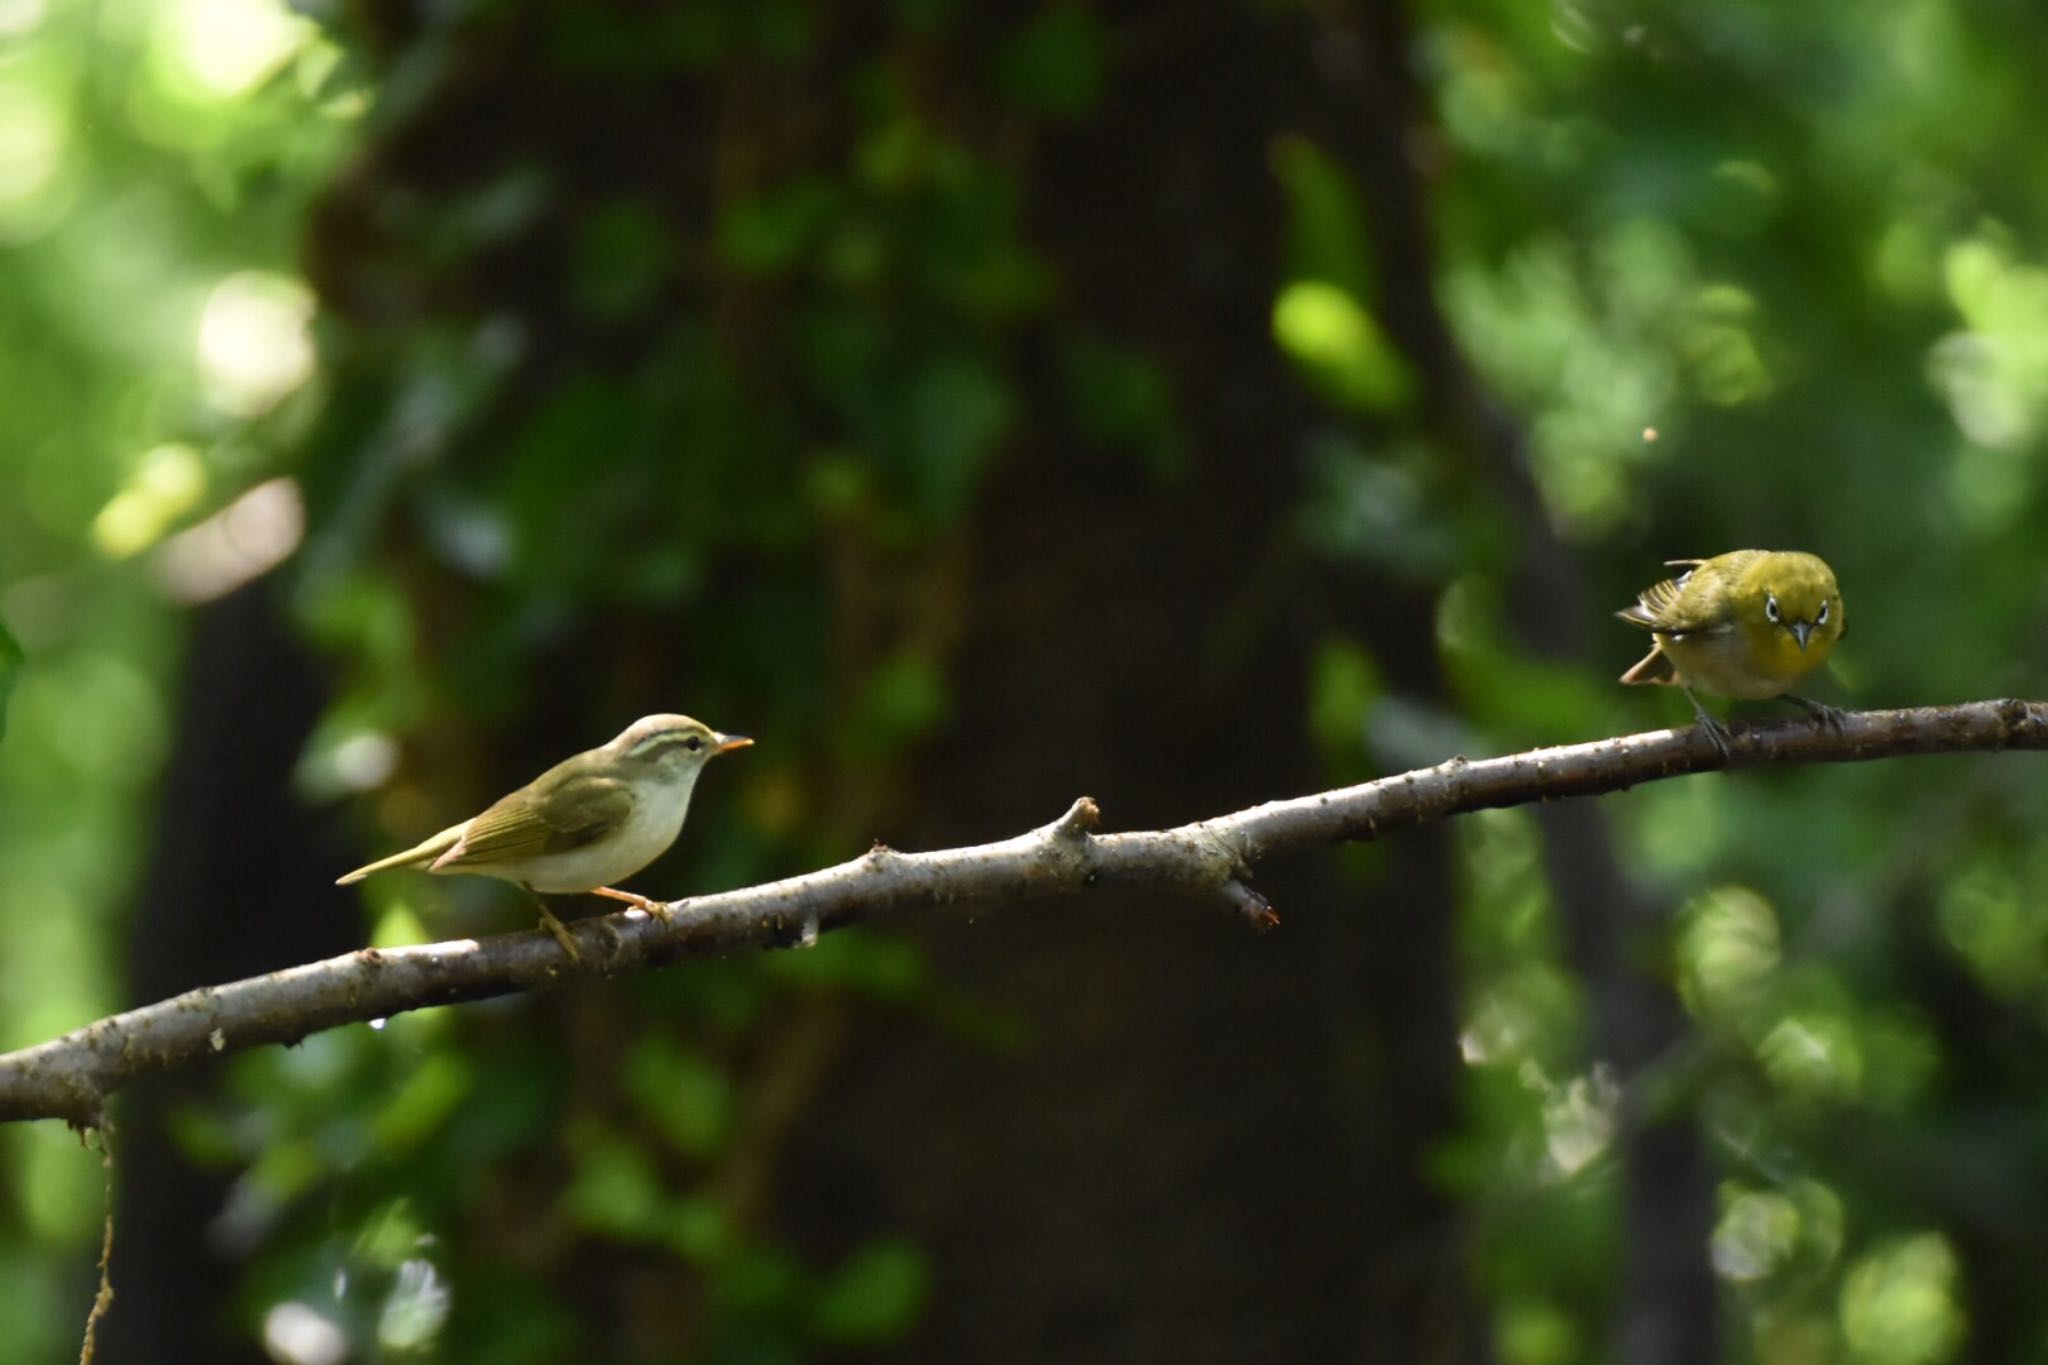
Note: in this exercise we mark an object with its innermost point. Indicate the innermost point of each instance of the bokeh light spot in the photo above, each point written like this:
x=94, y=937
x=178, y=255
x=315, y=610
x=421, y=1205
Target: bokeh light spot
x=31, y=142
x=296, y=1334
x=227, y=46
x=167, y=483
x=255, y=342
x=1898, y=1303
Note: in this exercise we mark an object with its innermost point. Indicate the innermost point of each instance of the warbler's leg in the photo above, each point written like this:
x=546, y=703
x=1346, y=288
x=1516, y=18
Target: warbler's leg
x=1830, y=716
x=554, y=926
x=1716, y=731
x=651, y=907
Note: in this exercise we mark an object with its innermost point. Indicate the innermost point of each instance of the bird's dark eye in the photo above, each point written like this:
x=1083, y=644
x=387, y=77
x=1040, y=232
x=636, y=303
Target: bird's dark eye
x=1771, y=605
x=693, y=744
x=1821, y=618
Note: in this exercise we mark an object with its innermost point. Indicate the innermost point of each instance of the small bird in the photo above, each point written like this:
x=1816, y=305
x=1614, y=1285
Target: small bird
x=588, y=821
x=1749, y=623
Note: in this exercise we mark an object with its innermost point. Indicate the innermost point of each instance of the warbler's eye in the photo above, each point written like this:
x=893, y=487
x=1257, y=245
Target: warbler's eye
x=1771, y=605
x=1821, y=618
x=693, y=744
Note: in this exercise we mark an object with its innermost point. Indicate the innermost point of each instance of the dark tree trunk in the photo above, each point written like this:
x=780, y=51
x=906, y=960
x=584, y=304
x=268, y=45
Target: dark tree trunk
x=1208, y=1146
x=1211, y=1145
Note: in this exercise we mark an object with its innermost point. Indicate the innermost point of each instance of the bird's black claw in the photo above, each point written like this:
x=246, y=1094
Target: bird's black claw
x=1830, y=716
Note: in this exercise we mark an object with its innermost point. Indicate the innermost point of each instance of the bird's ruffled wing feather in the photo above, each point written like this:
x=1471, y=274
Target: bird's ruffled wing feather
x=574, y=812
x=1668, y=607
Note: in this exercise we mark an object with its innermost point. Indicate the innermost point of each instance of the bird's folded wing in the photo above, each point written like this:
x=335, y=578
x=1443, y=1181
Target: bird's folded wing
x=1669, y=608
x=574, y=813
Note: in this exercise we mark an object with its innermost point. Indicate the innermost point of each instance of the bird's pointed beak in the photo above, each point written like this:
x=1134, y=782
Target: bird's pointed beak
x=1800, y=631
x=727, y=743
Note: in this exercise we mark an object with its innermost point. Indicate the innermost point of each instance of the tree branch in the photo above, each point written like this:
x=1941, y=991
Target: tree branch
x=69, y=1077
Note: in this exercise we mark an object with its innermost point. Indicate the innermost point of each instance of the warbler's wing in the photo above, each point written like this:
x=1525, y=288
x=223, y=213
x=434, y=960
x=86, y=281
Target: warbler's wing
x=565, y=814
x=1677, y=606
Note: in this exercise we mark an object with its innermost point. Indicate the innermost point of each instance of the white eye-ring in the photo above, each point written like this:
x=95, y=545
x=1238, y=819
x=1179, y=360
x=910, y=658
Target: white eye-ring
x=1821, y=617
x=1771, y=605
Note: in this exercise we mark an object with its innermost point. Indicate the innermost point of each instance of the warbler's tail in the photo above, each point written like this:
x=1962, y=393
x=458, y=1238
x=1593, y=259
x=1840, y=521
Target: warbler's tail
x=1654, y=668
x=417, y=855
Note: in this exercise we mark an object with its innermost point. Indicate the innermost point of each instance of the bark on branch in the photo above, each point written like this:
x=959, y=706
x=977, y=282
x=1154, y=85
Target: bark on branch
x=70, y=1077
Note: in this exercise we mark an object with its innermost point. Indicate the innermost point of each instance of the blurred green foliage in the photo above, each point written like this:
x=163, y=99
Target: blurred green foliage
x=10, y=673
x=155, y=164
x=1742, y=274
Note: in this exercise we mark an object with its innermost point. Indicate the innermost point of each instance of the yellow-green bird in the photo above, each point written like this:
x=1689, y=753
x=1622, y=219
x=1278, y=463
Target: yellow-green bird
x=1750, y=623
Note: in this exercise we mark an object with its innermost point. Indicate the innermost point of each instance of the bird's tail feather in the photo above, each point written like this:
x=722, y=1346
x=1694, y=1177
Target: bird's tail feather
x=418, y=854
x=1653, y=668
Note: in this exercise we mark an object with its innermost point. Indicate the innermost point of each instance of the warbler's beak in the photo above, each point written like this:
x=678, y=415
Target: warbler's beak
x=1800, y=630
x=727, y=743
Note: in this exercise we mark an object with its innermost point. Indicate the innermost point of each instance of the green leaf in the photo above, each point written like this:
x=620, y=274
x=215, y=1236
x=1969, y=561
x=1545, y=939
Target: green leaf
x=616, y=1191
x=1329, y=234
x=1345, y=683
x=1342, y=347
x=906, y=698
x=625, y=252
x=770, y=231
x=763, y=1281
x=11, y=661
x=688, y=1099
x=419, y=1107
x=1057, y=63
x=698, y=1230
x=1122, y=399
x=955, y=411
x=877, y=1296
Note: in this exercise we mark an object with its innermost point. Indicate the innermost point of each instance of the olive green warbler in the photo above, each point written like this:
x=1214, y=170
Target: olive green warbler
x=588, y=821
x=1749, y=623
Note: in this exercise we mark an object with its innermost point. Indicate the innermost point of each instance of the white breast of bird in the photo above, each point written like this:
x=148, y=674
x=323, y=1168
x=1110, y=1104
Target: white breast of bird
x=645, y=836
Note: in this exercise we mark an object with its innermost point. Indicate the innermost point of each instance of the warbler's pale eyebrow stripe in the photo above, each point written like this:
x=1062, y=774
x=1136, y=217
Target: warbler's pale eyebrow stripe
x=655, y=743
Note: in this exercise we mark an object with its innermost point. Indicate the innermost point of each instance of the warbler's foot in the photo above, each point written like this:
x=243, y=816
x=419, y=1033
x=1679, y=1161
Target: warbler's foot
x=560, y=931
x=1830, y=716
x=651, y=907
